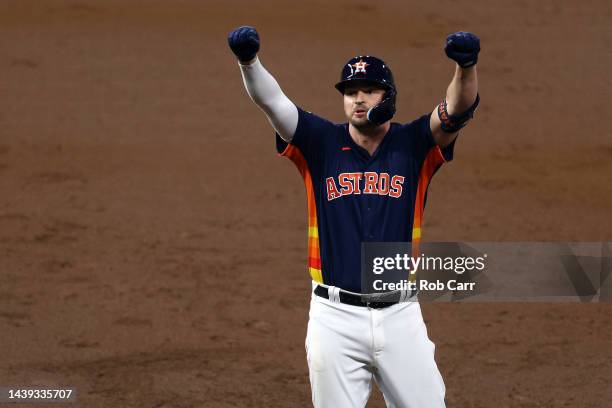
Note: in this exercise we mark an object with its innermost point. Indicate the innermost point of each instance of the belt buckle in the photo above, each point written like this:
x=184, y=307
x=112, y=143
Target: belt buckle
x=379, y=302
x=372, y=303
x=378, y=305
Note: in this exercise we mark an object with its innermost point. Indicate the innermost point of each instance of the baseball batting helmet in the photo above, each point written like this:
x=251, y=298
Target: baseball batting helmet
x=366, y=68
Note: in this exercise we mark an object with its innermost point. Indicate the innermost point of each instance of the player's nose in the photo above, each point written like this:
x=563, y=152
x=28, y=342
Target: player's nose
x=360, y=97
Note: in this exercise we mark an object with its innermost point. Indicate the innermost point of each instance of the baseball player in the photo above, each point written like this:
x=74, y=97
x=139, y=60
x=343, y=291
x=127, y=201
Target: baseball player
x=366, y=180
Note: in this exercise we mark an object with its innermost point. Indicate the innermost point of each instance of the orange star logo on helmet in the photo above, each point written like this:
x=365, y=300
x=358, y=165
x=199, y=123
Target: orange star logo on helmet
x=360, y=66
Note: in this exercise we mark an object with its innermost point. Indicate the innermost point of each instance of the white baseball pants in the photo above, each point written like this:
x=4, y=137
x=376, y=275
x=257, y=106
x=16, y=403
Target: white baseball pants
x=349, y=346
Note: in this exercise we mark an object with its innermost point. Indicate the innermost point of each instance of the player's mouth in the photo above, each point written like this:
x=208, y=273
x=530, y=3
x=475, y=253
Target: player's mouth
x=360, y=112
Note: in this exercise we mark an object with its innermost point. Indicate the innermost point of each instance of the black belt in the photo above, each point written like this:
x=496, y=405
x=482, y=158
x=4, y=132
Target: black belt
x=382, y=301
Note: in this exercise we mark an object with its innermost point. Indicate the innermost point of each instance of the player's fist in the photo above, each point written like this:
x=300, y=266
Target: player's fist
x=463, y=48
x=244, y=42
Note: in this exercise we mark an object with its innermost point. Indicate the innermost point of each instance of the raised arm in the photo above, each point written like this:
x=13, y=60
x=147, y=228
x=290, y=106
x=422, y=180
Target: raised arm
x=462, y=93
x=260, y=85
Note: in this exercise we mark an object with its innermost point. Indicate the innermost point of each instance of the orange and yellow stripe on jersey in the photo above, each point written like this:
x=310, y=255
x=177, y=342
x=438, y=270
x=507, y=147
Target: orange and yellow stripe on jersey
x=314, y=252
x=433, y=161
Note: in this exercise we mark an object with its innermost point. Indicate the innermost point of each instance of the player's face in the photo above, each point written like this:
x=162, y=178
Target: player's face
x=358, y=99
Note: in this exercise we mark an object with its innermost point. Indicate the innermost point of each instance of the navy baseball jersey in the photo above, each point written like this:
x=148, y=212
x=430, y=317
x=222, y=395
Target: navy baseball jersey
x=355, y=197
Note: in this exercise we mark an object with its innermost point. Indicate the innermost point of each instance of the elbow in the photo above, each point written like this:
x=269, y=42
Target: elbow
x=264, y=103
x=270, y=105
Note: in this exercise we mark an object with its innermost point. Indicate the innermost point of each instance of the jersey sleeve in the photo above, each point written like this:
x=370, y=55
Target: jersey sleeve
x=312, y=137
x=422, y=143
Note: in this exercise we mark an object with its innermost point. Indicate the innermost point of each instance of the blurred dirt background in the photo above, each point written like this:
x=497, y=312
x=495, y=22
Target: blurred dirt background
x=153, y=247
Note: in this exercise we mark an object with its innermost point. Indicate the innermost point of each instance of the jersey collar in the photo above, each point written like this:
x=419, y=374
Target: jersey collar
x=363, y=153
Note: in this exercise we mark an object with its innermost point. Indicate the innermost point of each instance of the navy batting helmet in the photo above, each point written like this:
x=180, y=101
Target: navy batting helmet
x=366, y=68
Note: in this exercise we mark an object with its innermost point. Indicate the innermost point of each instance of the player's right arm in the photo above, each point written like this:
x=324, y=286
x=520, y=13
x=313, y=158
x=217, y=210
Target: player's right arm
x=260, y=85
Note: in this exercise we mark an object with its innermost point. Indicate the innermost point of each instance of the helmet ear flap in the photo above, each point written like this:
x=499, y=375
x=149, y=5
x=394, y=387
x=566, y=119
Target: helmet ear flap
x=384, y=110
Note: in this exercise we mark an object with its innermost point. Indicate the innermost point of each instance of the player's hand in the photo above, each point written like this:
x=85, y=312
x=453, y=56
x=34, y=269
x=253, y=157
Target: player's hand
x=463, y=48
x=244, y=42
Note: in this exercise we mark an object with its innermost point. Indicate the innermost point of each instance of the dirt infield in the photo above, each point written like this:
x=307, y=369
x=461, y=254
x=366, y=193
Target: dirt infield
x=153, y=247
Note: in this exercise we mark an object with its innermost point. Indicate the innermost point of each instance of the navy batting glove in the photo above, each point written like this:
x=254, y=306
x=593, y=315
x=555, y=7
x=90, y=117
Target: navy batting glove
x=385, y=110
x=244, y=42
x=463, y=48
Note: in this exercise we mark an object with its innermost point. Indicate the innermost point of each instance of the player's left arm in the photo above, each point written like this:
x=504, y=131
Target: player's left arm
x=462, y=93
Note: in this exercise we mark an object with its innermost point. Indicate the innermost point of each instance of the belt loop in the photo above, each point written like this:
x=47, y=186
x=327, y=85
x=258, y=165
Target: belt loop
x=334, y=294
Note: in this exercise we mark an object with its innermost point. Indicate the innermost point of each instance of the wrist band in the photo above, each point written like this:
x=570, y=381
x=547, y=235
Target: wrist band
x=453, y=123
